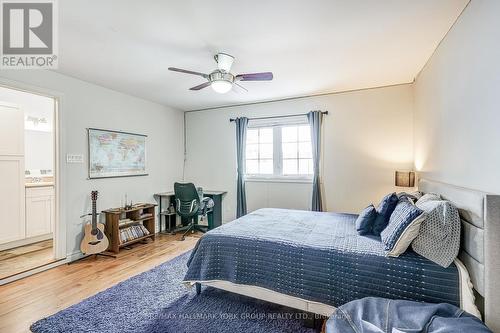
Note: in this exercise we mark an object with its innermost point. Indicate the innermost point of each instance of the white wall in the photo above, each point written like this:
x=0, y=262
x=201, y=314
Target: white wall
x=38, y=150
x=457, y=102
x=368, y=134
x=86, y=105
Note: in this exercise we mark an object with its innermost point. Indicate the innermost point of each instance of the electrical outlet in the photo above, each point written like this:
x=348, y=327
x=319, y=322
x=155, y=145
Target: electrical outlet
x=74, y=158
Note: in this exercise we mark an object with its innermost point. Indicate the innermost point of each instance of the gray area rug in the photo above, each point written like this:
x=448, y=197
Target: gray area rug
x=157, y=301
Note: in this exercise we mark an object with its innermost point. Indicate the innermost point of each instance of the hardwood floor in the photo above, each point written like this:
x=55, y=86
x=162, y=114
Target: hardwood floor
x=25, y=301
x=23, y=258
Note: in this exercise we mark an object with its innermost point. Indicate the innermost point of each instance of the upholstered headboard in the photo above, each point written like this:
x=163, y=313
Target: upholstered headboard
x=480, y=247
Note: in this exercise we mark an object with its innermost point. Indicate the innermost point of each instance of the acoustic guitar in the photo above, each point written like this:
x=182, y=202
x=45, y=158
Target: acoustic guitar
x=94, y=241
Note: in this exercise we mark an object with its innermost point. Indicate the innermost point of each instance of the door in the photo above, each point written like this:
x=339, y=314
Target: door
x=12, y=203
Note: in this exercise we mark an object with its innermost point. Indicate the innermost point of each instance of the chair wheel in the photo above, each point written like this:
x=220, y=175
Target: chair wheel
x=183, y=238
x=192, y=231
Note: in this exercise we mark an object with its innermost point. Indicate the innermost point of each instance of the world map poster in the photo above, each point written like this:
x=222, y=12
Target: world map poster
x=116, y=154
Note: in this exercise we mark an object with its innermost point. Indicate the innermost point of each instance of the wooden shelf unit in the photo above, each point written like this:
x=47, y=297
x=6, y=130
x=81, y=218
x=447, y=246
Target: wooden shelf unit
x=113, y=226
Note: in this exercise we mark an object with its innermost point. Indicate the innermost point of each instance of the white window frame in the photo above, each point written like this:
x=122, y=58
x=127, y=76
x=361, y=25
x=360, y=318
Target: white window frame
x=277, y=175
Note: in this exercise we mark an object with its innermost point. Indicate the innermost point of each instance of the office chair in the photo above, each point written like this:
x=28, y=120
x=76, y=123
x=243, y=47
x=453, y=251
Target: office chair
x=188, y=206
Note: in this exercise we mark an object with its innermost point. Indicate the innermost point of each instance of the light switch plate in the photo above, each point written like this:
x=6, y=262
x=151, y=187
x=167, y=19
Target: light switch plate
x=74, y=158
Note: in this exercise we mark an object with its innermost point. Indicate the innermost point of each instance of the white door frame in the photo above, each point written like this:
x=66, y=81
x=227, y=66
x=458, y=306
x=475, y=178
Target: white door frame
x=60, y=236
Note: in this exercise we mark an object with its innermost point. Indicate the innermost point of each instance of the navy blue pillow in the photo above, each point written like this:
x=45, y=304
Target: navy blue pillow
x=384, y=210
x=403, y=227
x=364, y=222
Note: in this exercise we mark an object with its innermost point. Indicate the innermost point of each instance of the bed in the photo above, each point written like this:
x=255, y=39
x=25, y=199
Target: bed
x=316, y=261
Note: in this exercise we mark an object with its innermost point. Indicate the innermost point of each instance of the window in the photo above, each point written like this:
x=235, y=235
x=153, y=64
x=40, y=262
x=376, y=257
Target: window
x=279, y=151
x=259, y=151
x=297, y=150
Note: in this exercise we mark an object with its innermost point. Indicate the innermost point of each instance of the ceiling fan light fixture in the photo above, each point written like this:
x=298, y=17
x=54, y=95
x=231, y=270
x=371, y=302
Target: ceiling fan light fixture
x=222, y=79
x=221, y=86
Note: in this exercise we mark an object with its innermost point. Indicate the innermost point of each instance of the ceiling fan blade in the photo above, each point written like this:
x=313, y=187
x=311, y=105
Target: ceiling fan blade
x=187, y=72
x=201, y=86
x=265, y=76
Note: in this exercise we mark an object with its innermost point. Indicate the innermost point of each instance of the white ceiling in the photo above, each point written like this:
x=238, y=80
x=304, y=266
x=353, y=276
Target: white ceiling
x=312, y=47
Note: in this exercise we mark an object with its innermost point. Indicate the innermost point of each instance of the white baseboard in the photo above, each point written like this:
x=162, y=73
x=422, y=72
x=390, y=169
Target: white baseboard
x=74, y=256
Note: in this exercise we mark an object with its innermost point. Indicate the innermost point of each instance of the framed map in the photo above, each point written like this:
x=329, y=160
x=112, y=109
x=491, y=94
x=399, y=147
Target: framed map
x=116, y=154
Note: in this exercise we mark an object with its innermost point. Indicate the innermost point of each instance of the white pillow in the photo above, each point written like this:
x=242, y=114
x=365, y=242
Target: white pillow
x=428, y=197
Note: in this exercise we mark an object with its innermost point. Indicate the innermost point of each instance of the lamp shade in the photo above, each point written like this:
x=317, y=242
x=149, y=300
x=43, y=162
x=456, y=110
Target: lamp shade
x=405, y=178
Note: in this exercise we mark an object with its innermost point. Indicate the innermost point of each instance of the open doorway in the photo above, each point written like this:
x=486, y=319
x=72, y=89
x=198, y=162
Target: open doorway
x=28, y=166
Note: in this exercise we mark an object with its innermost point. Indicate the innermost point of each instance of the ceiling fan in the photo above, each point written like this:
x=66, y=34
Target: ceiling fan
x=222, y=80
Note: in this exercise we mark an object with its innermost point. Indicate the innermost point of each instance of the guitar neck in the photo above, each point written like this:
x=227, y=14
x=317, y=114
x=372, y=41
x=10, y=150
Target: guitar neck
x=94, y=214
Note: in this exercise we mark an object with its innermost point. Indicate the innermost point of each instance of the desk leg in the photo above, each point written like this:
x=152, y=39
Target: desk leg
x=159, y=214
x=217, y=211
x=210, y=217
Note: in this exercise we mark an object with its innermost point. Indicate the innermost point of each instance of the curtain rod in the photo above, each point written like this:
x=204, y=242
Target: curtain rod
x=284, y=116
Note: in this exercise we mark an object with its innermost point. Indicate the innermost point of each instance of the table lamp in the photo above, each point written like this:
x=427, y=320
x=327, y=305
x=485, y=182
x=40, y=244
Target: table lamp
x=404, y=178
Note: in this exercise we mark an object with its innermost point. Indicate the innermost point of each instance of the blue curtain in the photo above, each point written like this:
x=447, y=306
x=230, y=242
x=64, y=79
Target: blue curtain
x=241, y=138
x=314, y=118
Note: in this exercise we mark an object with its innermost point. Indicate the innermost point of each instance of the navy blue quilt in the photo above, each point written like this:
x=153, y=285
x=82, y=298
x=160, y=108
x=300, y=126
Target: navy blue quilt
x=318, y=257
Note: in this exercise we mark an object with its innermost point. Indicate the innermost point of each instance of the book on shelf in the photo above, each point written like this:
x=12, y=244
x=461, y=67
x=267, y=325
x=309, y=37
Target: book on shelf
x=146, y=215
x=133, y=232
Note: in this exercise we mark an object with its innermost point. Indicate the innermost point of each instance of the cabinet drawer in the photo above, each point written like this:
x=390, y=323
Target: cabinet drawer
x=39, y=213
x=39, y=191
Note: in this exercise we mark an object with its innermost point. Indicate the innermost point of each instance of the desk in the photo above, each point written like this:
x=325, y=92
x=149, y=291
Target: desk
x=216, y=213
